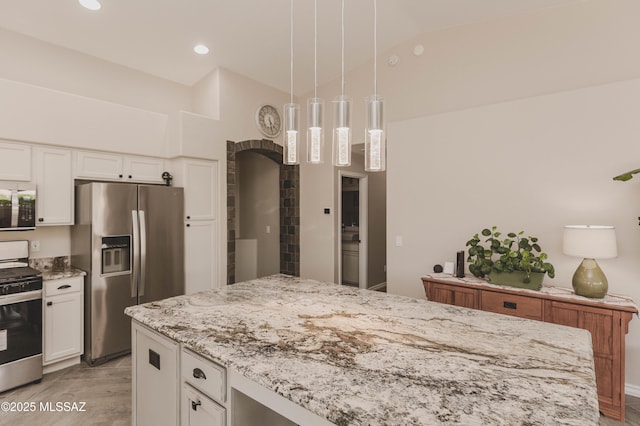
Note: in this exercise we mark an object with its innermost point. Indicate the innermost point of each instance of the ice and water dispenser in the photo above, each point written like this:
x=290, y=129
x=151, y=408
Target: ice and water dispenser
x=116, y=255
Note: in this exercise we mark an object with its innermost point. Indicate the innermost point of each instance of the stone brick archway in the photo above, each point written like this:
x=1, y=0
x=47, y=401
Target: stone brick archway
x=289, y=205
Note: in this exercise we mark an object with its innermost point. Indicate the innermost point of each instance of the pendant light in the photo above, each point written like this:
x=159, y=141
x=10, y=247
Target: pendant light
x=315, y=105
x=291, y=116
x=342, y=119
x=374, y=132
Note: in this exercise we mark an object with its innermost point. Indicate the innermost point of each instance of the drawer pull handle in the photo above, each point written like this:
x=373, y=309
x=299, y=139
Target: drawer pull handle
x=510, y=305
x=49, y=303
x=154, y=359
x=62, y=287
x=199, y=374
x=194, y=405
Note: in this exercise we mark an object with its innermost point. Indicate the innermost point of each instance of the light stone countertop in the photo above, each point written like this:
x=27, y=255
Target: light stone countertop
x=55, y=268
x=360, y=357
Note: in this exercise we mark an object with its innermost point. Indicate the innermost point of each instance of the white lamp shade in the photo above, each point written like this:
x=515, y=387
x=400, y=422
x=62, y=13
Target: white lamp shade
x=590, y=241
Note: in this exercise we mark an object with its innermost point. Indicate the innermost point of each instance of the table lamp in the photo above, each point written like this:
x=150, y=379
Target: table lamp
x=590, y=242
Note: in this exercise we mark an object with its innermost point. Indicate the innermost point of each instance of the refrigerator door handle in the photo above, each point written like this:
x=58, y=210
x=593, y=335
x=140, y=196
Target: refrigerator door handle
x=136, y=253
x=143, y=251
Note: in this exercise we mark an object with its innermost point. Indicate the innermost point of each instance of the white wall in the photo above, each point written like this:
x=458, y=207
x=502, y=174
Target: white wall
x=54, y=240
x=32, y=62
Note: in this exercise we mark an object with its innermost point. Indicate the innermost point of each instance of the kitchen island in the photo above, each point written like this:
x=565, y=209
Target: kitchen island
x=361, y=357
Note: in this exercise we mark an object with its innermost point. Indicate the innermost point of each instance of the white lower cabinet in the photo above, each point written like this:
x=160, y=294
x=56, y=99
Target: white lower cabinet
x=156, y=390
x=63, y=320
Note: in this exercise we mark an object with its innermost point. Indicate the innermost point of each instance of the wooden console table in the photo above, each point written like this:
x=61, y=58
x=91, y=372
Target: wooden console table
x=607, y=320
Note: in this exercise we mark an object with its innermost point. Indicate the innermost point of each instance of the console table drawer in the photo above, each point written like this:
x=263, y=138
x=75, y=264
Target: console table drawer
x=509, y=304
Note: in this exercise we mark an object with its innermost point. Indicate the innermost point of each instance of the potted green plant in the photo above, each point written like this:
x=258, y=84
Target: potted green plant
x=516, y=260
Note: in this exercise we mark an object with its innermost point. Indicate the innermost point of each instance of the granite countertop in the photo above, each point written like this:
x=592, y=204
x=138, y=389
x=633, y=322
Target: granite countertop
x=55, y=268
x=361, y=357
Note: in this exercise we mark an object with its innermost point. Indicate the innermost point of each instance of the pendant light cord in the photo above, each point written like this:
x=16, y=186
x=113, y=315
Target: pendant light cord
x=375, y=48
x=342, y=50
x=315, y=48
x=291, y=50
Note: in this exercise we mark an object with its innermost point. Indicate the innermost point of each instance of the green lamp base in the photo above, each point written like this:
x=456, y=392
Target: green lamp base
x=589, y=280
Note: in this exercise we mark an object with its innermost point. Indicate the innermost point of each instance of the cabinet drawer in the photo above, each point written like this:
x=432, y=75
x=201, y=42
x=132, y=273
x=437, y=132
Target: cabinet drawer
x=197, y=409
x=508, y=304
x=63, y=285
x=204, y=375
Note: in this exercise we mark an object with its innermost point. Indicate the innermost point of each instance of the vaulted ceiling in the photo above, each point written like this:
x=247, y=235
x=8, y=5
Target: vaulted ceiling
x=250, y=37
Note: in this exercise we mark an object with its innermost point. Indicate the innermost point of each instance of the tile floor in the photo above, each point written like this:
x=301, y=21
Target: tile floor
x=632, y=413
x=106, y=390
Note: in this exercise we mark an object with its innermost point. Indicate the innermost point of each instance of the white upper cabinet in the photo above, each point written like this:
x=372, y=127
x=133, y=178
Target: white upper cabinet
x=16, y=161
x=54, y=179
x=104, y=166
x=200, y=181
x=143, y=169
x=98, y=165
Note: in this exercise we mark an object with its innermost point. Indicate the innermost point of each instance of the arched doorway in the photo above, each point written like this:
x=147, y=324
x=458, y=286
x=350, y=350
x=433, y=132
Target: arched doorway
x=289, y=205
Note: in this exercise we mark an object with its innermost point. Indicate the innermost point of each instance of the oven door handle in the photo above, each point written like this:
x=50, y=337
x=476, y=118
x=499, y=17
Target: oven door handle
x=27, y=296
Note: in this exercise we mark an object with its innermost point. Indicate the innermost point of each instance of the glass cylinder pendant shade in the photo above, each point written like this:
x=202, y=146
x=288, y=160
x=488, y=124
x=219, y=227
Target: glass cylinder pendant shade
x=315, y=131
x=342, y=131
x=291, y=126
x=375, y=146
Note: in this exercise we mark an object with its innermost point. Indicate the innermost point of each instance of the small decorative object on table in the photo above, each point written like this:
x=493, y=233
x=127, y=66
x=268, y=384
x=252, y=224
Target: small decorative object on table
x=515, y=261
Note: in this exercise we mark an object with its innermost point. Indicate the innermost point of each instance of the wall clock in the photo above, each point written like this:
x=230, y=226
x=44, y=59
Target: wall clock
x=268, y=121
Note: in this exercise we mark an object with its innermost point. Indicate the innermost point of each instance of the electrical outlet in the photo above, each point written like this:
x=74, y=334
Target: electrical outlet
x=35, y=245
x=268, y=229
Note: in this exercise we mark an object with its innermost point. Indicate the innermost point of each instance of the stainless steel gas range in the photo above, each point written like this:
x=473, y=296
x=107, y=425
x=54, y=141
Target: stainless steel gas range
x=20, y=317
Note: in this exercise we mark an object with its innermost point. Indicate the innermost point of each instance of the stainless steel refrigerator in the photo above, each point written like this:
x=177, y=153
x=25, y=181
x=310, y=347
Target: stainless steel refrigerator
x=130, y=241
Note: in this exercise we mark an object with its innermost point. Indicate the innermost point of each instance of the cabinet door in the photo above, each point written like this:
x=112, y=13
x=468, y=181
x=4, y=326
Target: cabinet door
x=144, y=169
x=63, y=322
x=604, y=325
x=97, y=165
x=452, y=295
x=198, y=410
x=155, y=379
x=16, y=161
x=54, y=180
x=201, y=256
x=200, y=183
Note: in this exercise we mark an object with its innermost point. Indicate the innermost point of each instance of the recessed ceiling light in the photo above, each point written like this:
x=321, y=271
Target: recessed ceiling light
x=90, y=4
x=201, y=49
